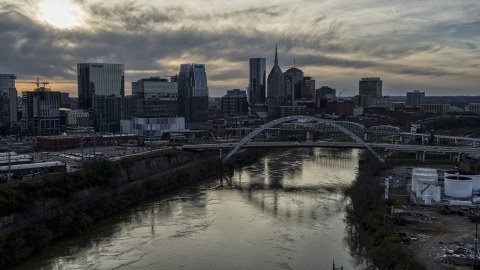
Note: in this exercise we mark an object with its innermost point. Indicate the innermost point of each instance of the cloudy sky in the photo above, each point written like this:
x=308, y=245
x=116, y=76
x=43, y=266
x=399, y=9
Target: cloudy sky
x=430, y=45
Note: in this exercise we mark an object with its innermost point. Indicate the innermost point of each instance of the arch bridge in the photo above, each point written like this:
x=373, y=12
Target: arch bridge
x=310, y=122
x=334, y=126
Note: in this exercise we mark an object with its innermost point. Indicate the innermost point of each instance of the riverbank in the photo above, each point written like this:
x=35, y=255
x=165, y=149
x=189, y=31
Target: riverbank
x=374, y=243
x=36, y=212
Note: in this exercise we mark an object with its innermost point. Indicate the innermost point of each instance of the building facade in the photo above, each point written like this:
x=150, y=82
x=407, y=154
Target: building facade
x=8, y=102
x=293, y=80
x=193, y=93
x=41, y=112
x=415, y=98
x=385, y=102
x=107, y=113
x=325, y=91
x=369, y=86
x=258, y=81
x=473, y=107
x=77, y=118
x=234, y=103
x=155, y=97
x=340, y=107
x=152, y=127
x=101, y=79
x=440, y=107
x=276, y=90
x=292, y=110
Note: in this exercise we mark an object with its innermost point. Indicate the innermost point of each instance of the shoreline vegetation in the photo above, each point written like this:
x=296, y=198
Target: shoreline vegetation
x=34, y=213
x=372, y=242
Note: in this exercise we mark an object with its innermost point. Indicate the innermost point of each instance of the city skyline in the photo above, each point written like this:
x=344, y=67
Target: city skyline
x=426, y=45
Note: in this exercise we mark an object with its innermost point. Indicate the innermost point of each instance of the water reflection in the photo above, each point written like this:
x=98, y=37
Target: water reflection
x=283, y=212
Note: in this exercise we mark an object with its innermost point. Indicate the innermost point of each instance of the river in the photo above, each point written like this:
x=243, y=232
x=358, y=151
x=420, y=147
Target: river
x=283, y=212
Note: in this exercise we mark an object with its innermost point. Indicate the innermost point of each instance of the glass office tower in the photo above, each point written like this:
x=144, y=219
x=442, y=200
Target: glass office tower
x=8, y=102
x=99, y=79
x=193, y=93
x=257, y=86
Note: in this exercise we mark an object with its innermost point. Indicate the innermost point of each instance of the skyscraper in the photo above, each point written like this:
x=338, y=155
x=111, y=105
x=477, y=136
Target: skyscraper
x=371, y=87
x=193, y=93
x=257, y=86
x=8, y=102
x=276, y=89
x=100, y=79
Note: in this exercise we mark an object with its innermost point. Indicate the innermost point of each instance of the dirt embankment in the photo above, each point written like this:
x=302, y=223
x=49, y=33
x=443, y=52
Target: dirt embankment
x=437, y=239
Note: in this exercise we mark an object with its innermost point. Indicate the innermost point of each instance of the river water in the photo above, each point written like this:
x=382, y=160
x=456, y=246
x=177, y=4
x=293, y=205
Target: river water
x=283, y=212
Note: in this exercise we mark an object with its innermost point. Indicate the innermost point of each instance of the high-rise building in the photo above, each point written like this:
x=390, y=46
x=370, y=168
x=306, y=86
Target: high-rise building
x=326, y=91
x=8, y=102
x=107, y=113
x=258, y=81
x=369, y=86
x=99, y=79
x=293, y=79
x=234, y=103
x=64, y=100
x=41, y=112
x=276, y=89
x=298, y=86
x=155, y=97
x=415, y=98
x=308, y=87
x=193, y=93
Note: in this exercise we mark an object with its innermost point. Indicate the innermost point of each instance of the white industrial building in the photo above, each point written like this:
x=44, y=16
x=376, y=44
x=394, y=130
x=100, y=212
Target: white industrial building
x=461, y=184
x=457, y=184
x=425, y=184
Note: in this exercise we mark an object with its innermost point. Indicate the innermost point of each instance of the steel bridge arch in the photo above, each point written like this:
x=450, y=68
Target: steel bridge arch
x=385, y=129
x=352, y=126
x=257, y=131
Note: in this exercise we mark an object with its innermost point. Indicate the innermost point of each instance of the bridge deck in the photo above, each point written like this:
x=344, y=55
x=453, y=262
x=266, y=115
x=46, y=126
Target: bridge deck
x=394, y=147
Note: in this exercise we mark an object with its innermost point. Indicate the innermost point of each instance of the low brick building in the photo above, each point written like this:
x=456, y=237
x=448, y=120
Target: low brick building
x=66, y=142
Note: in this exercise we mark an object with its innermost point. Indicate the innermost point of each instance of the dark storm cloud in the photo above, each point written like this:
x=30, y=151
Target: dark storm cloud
x=318, y=60
x=148, y=38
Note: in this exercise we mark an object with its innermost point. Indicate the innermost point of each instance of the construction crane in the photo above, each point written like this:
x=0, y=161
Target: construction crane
x=38, y=82
x=341, y=92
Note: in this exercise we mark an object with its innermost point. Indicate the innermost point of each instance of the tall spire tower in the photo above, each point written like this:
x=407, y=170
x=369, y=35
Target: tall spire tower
x=275, y=89
x=276, y=56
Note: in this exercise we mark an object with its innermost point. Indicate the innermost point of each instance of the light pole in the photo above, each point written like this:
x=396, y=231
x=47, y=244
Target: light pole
x=476, y=242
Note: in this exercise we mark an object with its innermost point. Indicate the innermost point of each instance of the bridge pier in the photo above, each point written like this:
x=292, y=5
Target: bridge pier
x=309, y=136
x=221, y=153
x=400, y=139
x=420, y=156
x=365, y=136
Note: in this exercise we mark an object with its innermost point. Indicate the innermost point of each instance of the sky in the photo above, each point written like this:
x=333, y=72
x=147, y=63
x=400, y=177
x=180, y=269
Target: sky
x=427, y=45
